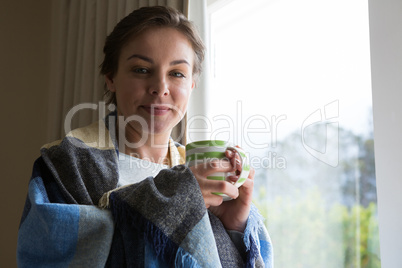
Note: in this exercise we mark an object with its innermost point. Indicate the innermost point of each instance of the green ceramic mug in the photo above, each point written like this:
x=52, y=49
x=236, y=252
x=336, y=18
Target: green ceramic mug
x=202, y=152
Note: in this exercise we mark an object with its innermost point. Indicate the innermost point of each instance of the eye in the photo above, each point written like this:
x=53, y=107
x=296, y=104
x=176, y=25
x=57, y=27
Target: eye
x=178, y=74
x=140, y=70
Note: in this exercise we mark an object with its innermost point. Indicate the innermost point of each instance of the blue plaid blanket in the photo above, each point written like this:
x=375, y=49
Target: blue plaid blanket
x=159, y=222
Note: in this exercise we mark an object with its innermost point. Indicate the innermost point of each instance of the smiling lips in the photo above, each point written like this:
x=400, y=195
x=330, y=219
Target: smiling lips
x=157, y=109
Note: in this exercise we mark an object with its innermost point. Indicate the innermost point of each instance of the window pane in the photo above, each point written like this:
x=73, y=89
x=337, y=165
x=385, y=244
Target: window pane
x=291, y=85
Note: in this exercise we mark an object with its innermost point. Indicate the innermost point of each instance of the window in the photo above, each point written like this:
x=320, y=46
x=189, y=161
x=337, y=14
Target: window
x=290, y=83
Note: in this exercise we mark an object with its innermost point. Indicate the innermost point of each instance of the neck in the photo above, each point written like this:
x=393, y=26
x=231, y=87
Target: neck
x=147, y=146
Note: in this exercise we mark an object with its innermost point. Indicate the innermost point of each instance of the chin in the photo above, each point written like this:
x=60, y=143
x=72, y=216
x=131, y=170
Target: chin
x=164, y=127
x=160, y=129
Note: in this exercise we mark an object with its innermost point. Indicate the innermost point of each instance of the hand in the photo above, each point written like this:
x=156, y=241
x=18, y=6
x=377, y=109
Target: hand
x=209, y=187
x=234, y=213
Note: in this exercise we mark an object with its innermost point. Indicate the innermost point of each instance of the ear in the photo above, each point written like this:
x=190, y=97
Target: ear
x=193, y=84
x=110, y=83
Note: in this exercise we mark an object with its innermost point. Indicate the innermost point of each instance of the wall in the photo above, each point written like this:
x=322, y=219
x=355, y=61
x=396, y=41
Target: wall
x=24, y=68
x=386, y=61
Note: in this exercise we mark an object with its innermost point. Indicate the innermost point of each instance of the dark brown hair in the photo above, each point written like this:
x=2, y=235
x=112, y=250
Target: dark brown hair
x=135, y=23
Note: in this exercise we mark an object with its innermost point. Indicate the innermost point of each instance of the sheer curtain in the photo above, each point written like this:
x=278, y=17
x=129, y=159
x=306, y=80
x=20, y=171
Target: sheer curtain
x=197, y=108
x=79, y=29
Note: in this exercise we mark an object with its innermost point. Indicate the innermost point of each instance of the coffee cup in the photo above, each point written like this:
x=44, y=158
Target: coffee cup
x=203, y=152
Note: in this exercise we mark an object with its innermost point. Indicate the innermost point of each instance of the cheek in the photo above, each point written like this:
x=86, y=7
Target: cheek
x=180, y=97
x=129, y=89
x=183, y=96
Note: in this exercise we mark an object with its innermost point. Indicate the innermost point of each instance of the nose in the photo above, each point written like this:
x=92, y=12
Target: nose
x=159, y=87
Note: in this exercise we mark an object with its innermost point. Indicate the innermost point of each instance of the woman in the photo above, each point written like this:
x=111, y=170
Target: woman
x=152, y=60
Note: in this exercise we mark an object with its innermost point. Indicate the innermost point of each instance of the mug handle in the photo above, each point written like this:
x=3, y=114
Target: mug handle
x=245, y=166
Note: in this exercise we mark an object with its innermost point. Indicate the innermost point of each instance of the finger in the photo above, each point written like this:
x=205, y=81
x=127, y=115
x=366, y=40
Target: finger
x=213, y=200
x=217, y=165
x=224, y=187
x=249, y=183
x=235, y=178
x=252, y=173
x=238, y=164
x=248, y=186
x=229, y=153
x=246, y=192
x=234, y=159
x=232, y=178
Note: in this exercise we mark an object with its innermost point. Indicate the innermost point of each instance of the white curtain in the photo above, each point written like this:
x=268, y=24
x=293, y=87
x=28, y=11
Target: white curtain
x=197, y=108
x=79, y=29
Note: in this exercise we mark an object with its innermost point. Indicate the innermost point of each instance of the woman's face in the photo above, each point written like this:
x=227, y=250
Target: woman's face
x=154, y=80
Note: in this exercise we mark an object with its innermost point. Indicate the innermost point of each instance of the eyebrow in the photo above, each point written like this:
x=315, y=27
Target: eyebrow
x=144, y=58
x=177, y=62
x=140, y=57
